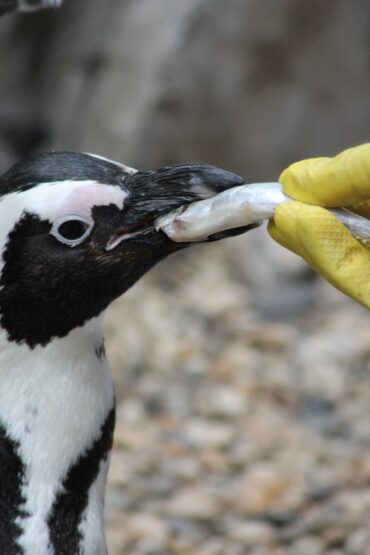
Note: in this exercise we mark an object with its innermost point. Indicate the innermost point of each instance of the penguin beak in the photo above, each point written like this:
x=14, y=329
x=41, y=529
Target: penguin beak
x=171, y=186
x=153, y=194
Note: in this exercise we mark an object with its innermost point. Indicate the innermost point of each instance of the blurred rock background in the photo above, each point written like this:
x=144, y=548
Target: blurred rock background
x=242, y=379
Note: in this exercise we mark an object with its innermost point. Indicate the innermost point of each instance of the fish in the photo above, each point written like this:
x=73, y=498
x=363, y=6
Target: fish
x=238, y=207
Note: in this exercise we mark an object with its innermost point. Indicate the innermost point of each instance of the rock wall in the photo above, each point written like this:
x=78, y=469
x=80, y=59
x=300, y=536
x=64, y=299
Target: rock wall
x=250, y=85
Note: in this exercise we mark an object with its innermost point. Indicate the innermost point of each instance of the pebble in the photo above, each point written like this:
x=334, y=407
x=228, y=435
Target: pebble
x=267, y=487
x=251, y=533
x=309, y=545
x=209, y=434
x=358, y=542
x=224, y=402
x=186, y=528
x=211, y=547
x=193, y=502
x=149, y=546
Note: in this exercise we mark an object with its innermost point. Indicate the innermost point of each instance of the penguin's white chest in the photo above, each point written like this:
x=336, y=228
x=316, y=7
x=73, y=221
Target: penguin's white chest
x=57, y=413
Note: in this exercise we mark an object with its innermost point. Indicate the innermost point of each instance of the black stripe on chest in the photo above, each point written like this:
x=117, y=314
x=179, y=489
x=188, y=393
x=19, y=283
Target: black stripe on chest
x=12, y=473
x=66, y=513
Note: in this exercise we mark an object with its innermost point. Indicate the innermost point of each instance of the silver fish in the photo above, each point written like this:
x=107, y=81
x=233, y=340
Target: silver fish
x=238, y=207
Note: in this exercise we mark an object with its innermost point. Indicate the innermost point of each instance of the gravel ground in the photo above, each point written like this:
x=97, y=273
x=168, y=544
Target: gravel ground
x=237, y=433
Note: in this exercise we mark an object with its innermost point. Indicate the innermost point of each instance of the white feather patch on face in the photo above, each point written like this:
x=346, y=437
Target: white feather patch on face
x=50, y=201
x=82, y=199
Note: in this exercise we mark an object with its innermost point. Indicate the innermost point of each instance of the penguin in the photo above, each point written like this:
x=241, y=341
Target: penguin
x=76, y=232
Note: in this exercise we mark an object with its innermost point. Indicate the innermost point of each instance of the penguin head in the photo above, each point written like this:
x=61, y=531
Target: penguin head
x=77, y=230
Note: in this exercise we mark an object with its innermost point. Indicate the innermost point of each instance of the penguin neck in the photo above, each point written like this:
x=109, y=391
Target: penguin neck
x=56, y=426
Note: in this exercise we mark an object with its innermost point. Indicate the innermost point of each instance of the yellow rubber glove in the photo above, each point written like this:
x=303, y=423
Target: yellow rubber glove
x=309, y=230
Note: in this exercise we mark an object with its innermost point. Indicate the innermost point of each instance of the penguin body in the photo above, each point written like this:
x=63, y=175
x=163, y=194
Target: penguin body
x=76, y=231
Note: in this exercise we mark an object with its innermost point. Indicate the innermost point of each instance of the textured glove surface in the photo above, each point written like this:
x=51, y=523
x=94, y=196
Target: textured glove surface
x=311, y=231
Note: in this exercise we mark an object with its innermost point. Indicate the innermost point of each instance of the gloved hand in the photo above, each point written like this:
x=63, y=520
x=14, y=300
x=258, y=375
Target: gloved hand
x=311, y=231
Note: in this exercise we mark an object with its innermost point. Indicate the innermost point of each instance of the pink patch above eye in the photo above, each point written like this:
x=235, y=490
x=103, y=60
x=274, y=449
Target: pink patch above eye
x=85, y=196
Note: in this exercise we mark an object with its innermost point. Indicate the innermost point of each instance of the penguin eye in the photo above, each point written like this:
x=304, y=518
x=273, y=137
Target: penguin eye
x=72, y=230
